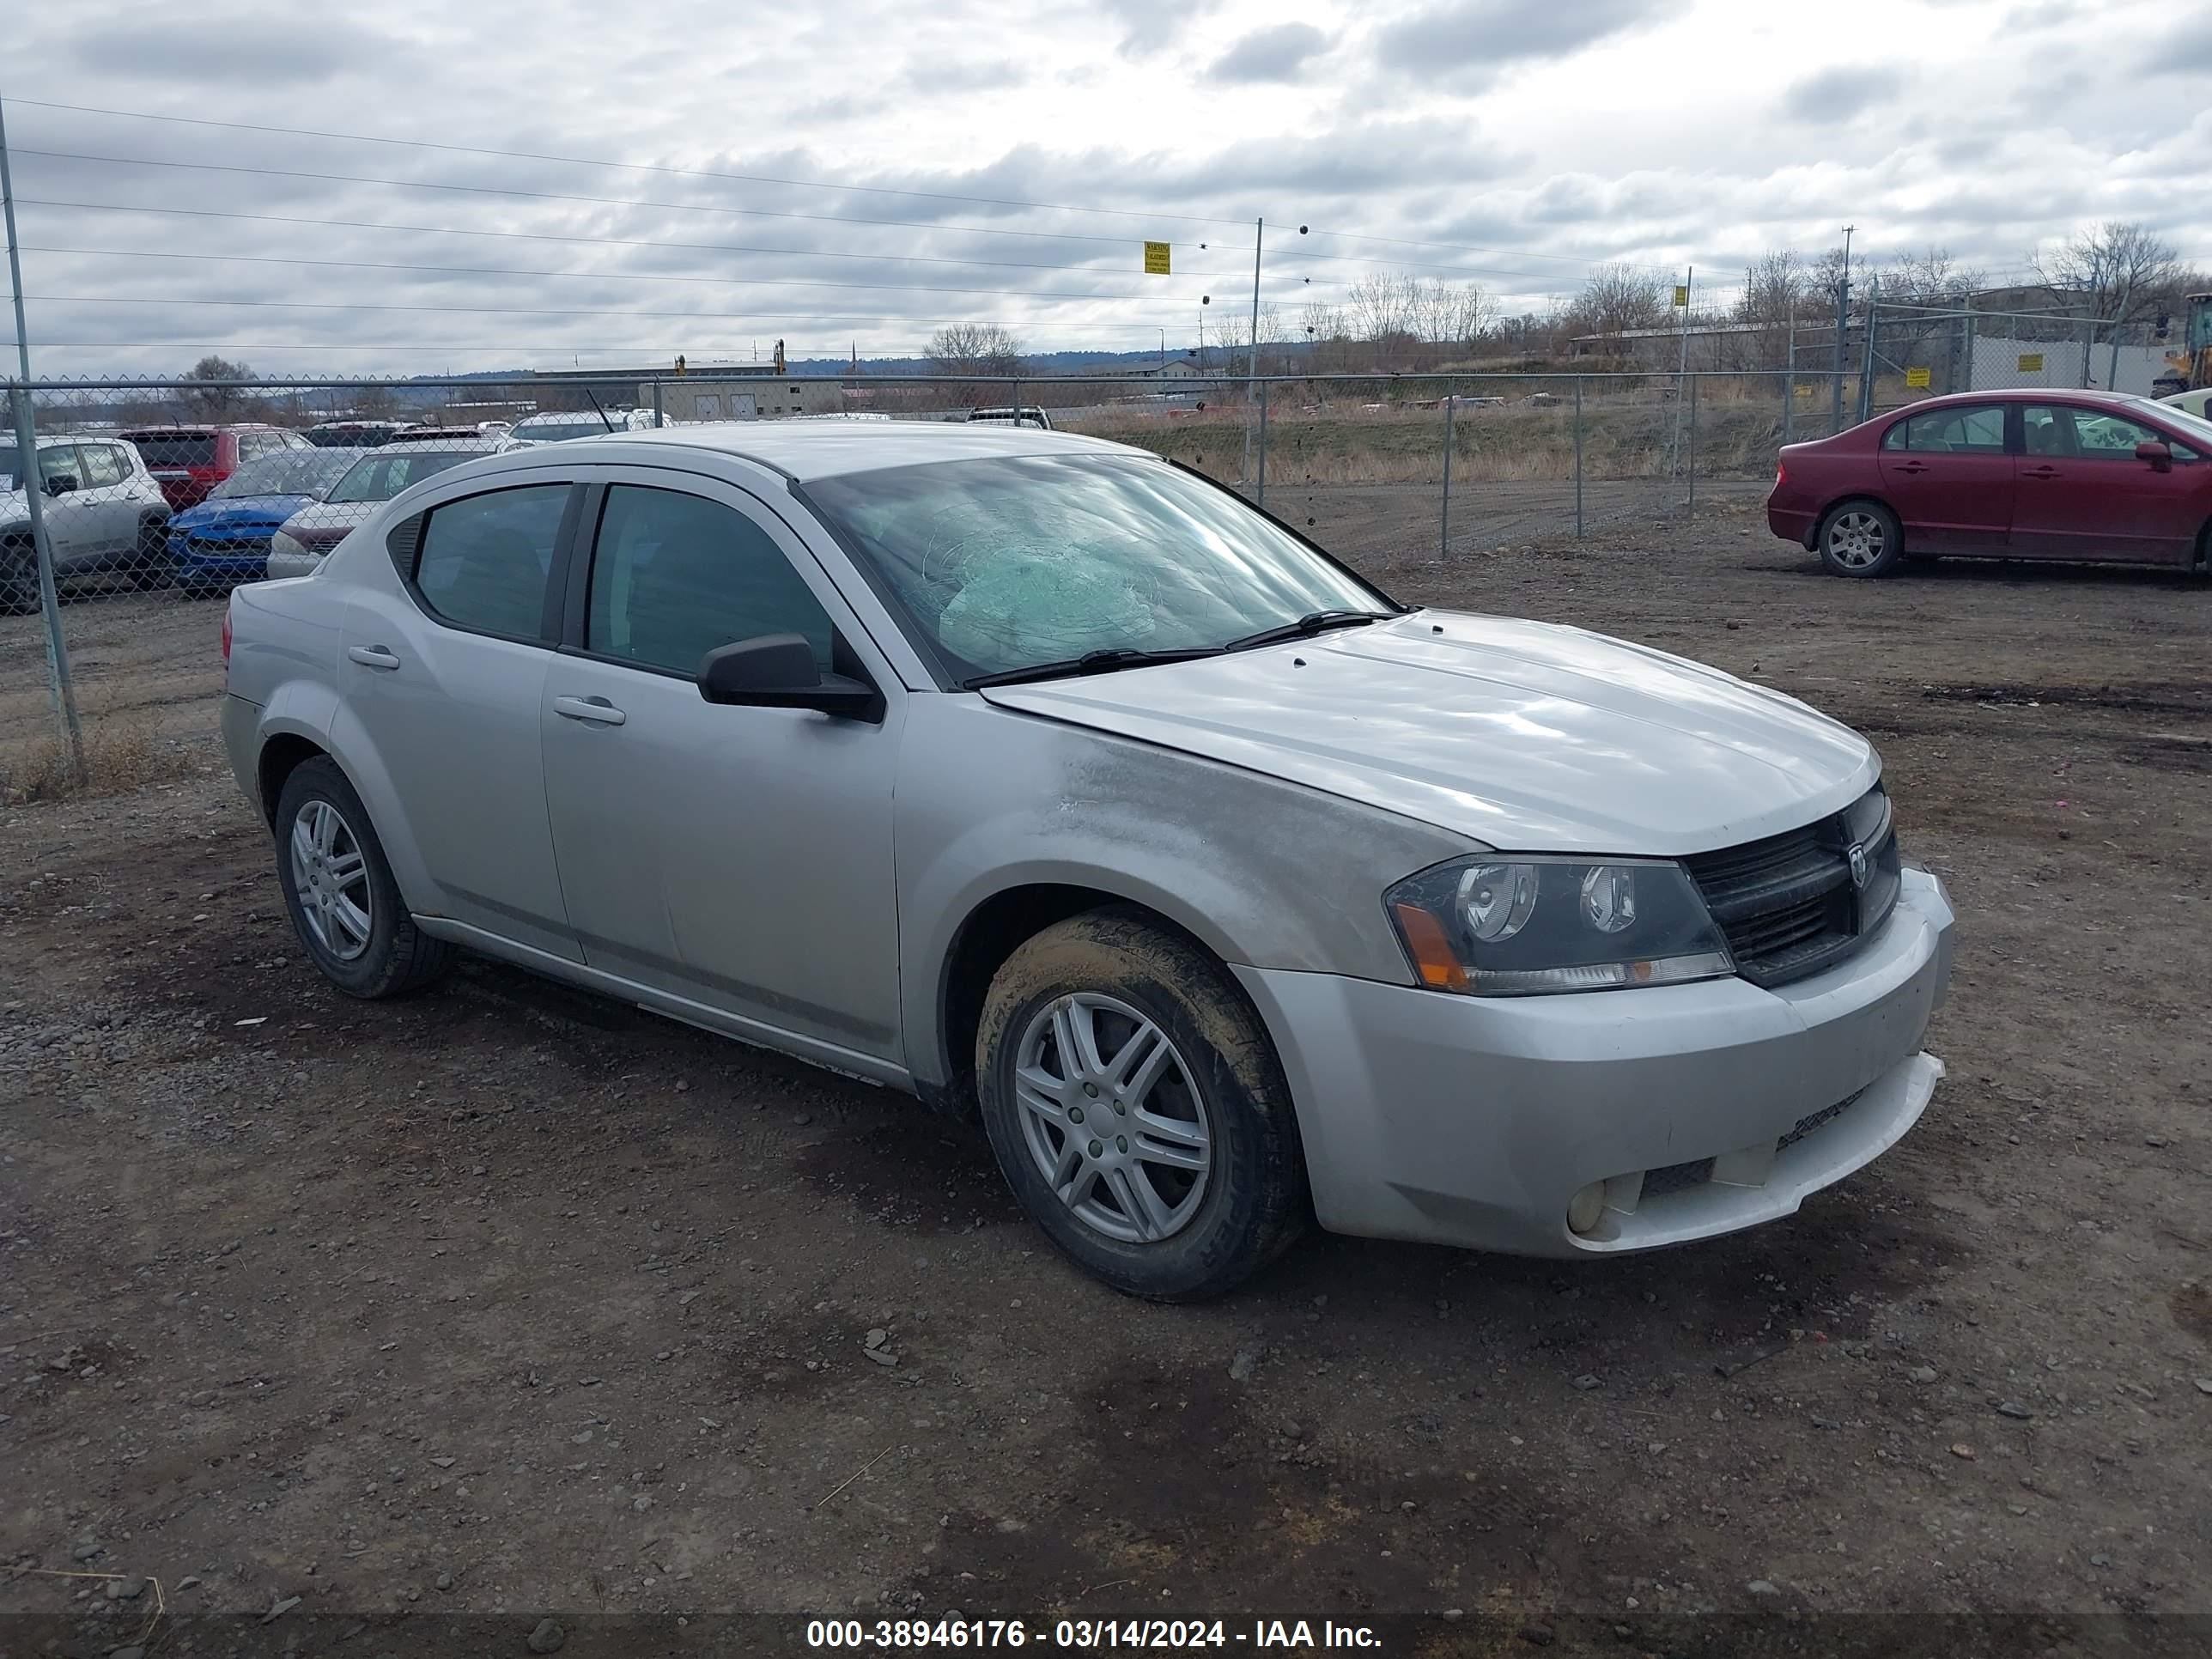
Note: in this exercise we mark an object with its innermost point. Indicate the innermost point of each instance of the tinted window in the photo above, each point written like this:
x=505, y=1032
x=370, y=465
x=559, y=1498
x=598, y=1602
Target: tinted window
x=484, y=559
x=102, y=466
x=1021, y=560
x=1976, y=431
x=674, y=575
x=175, y=448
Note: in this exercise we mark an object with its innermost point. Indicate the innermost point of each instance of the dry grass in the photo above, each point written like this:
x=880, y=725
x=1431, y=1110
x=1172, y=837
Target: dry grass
x=1737, y=437
x=121, y=753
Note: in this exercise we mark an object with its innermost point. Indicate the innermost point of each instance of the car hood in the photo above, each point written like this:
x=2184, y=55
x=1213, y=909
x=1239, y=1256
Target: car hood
x=1526, y=736
x=237, y=512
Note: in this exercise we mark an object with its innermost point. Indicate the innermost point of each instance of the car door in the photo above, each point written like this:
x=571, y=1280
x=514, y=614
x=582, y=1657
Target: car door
x=442, y=674
x=72, y=517
x=1948, y=475
x=739, y=858
x=114, y=515
x=2084, y=495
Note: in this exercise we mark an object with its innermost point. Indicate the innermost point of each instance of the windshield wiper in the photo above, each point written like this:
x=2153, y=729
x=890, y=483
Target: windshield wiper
x=1090, y=662
x=1313, y=623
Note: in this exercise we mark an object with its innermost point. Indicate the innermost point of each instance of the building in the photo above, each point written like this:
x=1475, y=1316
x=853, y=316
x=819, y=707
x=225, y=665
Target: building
x=705, y=391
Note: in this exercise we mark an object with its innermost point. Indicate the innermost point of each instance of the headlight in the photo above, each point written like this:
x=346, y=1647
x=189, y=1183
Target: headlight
x=1512, y=927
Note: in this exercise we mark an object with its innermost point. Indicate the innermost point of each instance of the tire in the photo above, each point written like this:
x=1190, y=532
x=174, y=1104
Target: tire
x=149, y=559
x=1860, y=538
x=369, y=946
x=19, y=581
x=1215, y=1187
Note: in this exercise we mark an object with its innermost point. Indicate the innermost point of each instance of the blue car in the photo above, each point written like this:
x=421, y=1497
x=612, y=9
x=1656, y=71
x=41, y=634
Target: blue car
x=225, y=539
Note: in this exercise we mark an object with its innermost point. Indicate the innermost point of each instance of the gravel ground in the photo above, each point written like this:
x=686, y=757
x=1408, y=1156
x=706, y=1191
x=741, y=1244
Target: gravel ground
x=503, y=1301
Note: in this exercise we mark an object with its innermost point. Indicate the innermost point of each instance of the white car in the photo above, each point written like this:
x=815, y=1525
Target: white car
x=105, y=516
x=555, y=429
x=305, y=539
x=2197, y=403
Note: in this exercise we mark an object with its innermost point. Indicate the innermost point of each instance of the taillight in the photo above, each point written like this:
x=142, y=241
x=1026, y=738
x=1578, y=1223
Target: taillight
x=1781, y=475
x=226, y=636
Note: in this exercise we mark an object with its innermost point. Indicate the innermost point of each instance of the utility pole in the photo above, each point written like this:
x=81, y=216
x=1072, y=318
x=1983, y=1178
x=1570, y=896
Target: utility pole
x=59, y=690
x=1842, y=326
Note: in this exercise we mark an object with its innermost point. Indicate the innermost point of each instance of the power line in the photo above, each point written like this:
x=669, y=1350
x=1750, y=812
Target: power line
x=576, y=275
x=533, y=310
x=592, y=241
x=633, y=167
x=564, y=196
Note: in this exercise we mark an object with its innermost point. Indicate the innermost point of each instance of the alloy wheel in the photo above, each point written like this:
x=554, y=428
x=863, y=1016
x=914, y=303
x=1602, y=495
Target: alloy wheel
x=1112, y=1118
x=330, y=877
x=1857, y=540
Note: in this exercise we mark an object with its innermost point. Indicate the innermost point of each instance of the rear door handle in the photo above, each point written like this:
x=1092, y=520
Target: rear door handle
x=2040, y=472
x=372, y=656
x=597, y=711
x=1912, y=466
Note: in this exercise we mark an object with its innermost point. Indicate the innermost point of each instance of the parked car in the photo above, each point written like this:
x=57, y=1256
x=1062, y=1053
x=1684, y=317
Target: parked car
x=2014, y=475
x=189, y=461
x=1047, y=780
x=562, y=427
x=225, y=539
x=353, y=435
x=301, y=541
x=1031, y=415
x=2197, y=403
x=105, y=517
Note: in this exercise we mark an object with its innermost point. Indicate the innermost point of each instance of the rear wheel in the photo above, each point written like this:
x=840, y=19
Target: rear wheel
x=149, y=558
x=1861, y=538
x=344, y=904
x=18, y=579
x=1137, y=1107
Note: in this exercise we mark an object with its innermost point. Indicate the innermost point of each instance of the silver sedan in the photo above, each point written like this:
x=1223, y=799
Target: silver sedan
x=1055, y=784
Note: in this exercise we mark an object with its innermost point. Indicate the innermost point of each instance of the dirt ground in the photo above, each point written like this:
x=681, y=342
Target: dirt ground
x=503, y=1300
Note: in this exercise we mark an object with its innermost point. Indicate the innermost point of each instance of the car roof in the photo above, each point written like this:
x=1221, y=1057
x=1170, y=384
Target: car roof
x=2021, y=394
x=804, y=450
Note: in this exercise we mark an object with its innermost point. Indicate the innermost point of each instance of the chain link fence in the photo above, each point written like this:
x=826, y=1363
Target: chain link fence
x=127, y=507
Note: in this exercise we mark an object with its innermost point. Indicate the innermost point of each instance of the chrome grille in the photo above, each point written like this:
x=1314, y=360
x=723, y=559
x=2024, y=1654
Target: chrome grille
x=1788, y=905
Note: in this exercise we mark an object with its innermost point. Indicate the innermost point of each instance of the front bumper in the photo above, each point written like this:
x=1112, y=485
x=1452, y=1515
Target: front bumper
x=237, y=560
x=1473, y=1121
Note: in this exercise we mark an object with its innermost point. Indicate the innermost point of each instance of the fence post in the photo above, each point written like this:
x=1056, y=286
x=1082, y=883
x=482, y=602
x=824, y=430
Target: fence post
x=1692, y=505
x=1443, y=524
x=1579, y=457
x=659, y=419
x=1866, y=367
x=1789, y=380
x=1260, y=494
x=1969, y=386
x=60, y=691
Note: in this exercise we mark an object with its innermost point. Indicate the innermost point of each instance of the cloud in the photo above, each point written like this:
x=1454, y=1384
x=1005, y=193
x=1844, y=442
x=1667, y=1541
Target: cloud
x=945, y=75
x=1837, y=95
x=1469, y=41
x=295, y=47
x=1152, y=26
x=2185, y=50
x=1277, y=54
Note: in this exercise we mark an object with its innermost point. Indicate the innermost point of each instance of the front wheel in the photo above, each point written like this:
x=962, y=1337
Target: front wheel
x=19, y=579
x=1861, y=538
x=343, y=902
x=1137, y=1107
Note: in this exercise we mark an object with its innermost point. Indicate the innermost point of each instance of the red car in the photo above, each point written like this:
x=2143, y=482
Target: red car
x=2008, y=474
x=189, y=461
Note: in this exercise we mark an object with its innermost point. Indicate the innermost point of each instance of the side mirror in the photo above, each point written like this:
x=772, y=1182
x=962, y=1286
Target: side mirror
x=778, y=671
x=2158, y=455
x=60, y=484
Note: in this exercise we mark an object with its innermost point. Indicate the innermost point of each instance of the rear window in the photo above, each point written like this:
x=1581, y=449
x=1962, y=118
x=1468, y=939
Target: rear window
x=175, y=448
x=293, y=473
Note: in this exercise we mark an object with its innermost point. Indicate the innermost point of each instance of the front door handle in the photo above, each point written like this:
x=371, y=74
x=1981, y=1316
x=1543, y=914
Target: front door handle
x=372, y=656
x=2040, y=472
x=597, y=711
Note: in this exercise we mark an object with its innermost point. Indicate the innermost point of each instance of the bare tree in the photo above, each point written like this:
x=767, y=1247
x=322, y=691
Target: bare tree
x=2119, y=269
x=1377, y=303
x=1916, y=290
x=974, y=349
x=1448, y=315
x=1617, y=298
x=213, y=402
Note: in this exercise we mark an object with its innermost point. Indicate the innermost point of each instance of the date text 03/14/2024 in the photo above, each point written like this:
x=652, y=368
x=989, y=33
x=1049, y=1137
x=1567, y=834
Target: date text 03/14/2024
x=1286, y=1635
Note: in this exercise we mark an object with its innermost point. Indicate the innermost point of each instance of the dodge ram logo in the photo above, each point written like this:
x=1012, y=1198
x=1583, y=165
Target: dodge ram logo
x=1858, y=857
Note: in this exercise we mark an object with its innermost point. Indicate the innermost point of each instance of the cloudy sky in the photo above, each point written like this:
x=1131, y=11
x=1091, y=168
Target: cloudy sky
x=1004, y=159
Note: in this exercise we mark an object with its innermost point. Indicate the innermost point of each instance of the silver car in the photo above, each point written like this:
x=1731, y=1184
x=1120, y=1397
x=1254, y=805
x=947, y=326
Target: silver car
x=1054, y=783
x=105, y=517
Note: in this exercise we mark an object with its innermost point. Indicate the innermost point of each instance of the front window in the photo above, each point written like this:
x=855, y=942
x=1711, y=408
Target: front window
x=295, y=472
x=381, y=477
x=1018, y=561
x=2196, y=427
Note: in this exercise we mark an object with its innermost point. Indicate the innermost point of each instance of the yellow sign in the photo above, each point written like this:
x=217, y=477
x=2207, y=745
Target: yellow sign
x=1805, y=392
x=2031, y=363
x=1156, y=258
x=1681, y=294
x=1916, y=378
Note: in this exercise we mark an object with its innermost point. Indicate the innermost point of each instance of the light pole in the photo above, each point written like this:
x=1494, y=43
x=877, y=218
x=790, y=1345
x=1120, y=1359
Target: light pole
x=1843, y=317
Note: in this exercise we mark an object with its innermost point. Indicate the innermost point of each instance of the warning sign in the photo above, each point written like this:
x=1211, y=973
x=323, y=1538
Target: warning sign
x=1918, y=378
x=2031, y=363
x=1156, y=258
x=1681, y=294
